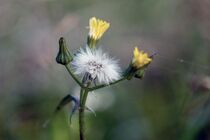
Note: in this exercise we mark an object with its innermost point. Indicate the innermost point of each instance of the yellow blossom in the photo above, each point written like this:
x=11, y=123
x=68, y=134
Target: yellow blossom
x=97, y=28
x=140, y=58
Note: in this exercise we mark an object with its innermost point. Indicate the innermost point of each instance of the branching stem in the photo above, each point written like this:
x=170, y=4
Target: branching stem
x=83, y=97
x=74, y=77
x=105, y=85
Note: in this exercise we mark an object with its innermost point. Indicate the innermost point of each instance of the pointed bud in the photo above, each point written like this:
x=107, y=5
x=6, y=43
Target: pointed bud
x=64, y=57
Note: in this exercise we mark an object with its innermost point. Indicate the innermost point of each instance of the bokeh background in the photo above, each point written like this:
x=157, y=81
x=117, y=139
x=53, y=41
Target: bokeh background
x=171, y=102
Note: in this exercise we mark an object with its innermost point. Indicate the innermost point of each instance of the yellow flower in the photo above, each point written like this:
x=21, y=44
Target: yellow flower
x=97, y=28
x=140, y=59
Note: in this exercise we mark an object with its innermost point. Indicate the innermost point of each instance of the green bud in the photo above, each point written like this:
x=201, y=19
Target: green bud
x=140, y=74
x=64, y=57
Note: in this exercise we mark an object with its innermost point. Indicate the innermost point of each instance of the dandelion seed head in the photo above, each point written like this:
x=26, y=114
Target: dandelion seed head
x=96, y=63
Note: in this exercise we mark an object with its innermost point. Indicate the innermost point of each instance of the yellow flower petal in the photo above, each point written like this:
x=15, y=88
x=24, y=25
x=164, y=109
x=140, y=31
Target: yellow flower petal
x=136, y=52
x=140, y=59
x=97, y=28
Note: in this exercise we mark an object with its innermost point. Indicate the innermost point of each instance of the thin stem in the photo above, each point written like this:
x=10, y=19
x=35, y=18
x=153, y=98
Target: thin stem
x=73, y=76
x=81, y=124
x=81, y=118
x=83, y=98
x=81, y=95
x=105, y=85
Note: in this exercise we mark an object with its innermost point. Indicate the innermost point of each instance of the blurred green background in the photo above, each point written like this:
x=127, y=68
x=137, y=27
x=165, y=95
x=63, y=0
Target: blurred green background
x=171, y=102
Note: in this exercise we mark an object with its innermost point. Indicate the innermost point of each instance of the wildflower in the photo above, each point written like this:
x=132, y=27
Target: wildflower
x=140, y=59
x=97, y=28
x=138, y=64
x=94, y=64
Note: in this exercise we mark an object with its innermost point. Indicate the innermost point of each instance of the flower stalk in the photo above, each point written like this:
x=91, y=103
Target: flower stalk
x=74, y=76
x=96, y=67
x=83, y=98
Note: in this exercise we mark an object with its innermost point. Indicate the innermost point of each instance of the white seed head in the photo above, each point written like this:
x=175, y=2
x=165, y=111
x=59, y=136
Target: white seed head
x=96, y=63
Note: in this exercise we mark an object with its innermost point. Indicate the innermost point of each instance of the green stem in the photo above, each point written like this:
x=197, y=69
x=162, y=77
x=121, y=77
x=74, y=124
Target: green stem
x=81, y=94
x=105, y=85
x=83, y=98
x=81, y=118
x=73, y=76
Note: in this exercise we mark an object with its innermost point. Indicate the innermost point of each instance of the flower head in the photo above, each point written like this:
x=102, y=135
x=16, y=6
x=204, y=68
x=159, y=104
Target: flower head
x=97, y=65
x=97, y=28
x=140, y=58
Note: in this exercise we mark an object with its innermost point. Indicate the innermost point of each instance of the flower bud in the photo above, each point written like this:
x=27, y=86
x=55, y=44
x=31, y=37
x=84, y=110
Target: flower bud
x=64, y=57
x=140, y=59
x=138, y=64
x=97, y=28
